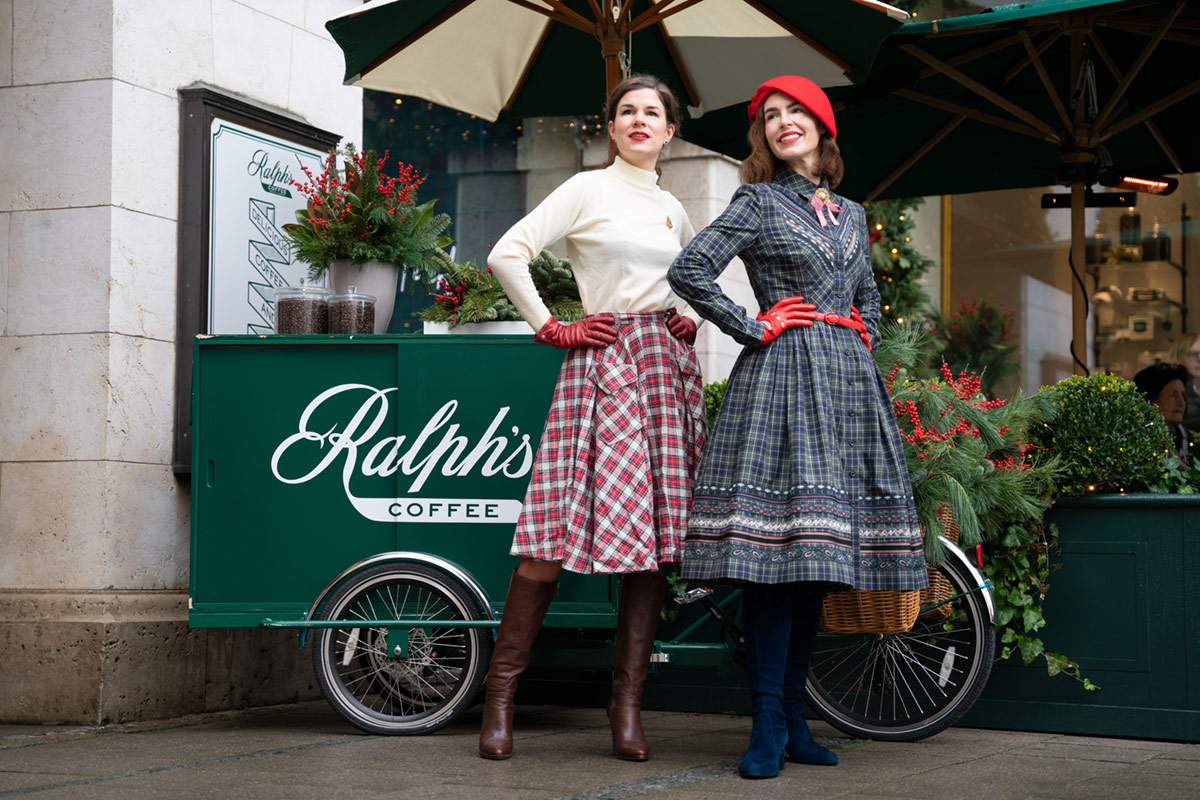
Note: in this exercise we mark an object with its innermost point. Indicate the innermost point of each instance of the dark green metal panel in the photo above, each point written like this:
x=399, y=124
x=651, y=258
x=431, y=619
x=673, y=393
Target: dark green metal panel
x=1126, y=605
x=315, y=452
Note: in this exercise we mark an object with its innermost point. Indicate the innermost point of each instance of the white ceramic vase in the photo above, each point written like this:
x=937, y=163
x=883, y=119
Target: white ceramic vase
x=378, y=278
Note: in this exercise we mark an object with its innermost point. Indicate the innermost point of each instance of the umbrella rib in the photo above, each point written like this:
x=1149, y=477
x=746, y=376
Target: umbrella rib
x=1147, y=29
x=1016, y=68
x=916, y=156
x=1036, y=60
x=1153, y=108
x=520, y=83
x=657, y=13
x=1154, y=131
x=1133, y=23
x=1144, y=56
x=417, y=34
x=1166, y=148
x=566, y=16
x=979, y=89
x=688, y=86
x=841, y=63
x=925, y=72
x=970, y=113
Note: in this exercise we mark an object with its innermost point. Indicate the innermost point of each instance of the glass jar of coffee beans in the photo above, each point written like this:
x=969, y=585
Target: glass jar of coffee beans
x=352, y=312
x=302, y=309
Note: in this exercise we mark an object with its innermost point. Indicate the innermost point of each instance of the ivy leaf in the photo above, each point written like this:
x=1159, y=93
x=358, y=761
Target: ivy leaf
x=1030, y=648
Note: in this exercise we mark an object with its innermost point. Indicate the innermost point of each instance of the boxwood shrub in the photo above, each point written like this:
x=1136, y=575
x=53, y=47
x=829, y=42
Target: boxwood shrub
x=1109, y=438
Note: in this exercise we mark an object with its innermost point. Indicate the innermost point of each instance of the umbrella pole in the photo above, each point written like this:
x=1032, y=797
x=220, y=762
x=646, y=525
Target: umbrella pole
x=1079, y=354
x=612, y=73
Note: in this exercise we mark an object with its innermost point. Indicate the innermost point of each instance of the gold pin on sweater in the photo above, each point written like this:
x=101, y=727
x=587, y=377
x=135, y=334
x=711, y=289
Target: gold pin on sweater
x=669, y=225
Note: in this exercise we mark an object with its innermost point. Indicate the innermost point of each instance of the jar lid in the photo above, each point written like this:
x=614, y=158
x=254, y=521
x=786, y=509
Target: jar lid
x=303, y=290
x=351, y=293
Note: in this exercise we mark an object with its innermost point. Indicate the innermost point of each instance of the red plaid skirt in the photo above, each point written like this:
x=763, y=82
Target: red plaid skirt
x=611, y=485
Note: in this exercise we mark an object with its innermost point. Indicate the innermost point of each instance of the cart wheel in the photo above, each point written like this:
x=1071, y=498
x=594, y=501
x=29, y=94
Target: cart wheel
x=384, y=694
x=907, y=686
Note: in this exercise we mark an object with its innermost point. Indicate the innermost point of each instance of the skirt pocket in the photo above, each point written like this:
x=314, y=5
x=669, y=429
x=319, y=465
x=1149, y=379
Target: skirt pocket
x=622, y=506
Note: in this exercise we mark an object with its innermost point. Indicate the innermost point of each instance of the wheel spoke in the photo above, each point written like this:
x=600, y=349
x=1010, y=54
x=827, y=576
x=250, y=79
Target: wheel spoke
x=909, y=685
x=382, y=693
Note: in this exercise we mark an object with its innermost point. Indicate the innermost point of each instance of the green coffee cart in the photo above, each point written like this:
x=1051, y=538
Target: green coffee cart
x=365, y=489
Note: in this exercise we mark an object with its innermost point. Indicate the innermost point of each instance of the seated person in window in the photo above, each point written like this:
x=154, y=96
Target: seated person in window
x=1187, y=352
x=1163, y=385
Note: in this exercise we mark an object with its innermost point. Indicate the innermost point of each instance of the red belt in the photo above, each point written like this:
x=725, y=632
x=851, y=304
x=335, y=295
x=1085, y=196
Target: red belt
x=833, y=318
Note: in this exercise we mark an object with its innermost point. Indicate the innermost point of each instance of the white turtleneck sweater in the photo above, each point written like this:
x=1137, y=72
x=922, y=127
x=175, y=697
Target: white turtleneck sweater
x=622, y=233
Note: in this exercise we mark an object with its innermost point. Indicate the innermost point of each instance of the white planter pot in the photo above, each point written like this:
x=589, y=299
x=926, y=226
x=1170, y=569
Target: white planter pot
x=518, y=328
x=376, y=278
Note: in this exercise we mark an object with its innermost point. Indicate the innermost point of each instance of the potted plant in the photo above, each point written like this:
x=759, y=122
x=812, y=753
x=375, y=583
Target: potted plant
x=978, y=336
x=1125, y=601
x=363, y=226
x=974, y=457
x=471, y=300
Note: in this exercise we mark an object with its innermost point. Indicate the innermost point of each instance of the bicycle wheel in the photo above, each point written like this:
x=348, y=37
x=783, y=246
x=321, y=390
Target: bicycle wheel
x=384, y=694
x=907, y=686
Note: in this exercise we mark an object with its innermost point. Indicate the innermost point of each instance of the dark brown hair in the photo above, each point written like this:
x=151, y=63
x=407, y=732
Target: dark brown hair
x=632, y=84
x=761, y=165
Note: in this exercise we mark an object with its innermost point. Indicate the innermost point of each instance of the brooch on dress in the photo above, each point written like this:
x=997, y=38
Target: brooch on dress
x=820, y=200
x=669, y=225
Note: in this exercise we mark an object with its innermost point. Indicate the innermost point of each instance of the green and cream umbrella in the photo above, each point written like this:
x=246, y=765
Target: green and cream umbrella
x=496, y=58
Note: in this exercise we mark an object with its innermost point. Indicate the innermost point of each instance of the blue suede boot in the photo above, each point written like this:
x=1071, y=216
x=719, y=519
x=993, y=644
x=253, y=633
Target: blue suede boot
x=766, y=623
x=806, y=618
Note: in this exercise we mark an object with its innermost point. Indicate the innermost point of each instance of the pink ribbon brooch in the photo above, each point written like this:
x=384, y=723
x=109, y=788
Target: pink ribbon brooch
x=820, y=202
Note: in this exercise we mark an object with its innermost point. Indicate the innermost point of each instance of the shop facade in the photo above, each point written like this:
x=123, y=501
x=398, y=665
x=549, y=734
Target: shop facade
x=93, y=519
x=94, y=515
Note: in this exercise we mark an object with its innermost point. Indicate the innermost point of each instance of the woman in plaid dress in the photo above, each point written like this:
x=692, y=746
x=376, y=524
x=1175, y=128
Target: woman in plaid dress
x=611, y=484
x=803, y=486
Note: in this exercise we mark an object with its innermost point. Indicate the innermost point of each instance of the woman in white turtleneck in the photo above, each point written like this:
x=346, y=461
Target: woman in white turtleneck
x=611, y=484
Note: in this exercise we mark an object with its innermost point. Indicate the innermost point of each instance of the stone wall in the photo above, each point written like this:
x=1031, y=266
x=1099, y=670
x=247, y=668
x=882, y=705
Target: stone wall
x=94, y=530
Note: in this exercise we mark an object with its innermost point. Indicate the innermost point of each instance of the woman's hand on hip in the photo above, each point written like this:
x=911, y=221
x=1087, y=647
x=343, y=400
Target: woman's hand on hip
x=790, y=312
x=681, y=327
x=597, y=331
x=862, y=328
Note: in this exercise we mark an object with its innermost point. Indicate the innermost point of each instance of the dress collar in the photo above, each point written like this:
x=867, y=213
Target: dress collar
x=788, y=178
x=643, y=179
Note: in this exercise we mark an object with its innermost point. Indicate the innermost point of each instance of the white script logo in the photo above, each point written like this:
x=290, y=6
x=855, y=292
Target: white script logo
x=452, y=454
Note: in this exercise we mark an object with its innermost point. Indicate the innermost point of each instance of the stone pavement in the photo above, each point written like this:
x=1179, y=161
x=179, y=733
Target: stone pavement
x=306, y=750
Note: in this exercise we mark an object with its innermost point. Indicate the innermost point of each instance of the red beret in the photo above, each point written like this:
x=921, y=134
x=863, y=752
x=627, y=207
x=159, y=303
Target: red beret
x=801, y=90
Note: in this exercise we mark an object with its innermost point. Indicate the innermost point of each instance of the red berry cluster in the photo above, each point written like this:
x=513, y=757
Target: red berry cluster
x=965, y=387
x=335, y=199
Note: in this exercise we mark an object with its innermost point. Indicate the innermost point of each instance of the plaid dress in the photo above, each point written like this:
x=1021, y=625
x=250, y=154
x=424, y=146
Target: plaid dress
x=804, y=477
x=611, y=484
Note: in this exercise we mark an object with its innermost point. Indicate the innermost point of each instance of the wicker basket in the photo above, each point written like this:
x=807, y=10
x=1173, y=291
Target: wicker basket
x=859, y=611
x=940, y=589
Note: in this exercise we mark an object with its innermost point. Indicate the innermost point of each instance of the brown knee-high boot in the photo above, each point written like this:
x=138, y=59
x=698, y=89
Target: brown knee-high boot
x=524, y=609
x=642, y=595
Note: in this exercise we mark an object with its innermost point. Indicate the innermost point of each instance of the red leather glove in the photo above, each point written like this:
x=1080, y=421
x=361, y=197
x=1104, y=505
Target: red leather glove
x=597, y=331
x=790, y=312
x=681, y=327
x=862, y=334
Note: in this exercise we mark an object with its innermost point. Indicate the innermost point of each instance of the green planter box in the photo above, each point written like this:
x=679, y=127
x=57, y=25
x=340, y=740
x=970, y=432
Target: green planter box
x=1126, y=606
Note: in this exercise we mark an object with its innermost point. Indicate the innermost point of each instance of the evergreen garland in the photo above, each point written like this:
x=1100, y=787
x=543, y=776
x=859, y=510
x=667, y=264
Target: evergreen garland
x=556, y=284
x=964, y=451
x=895, y=261
x=468, y=294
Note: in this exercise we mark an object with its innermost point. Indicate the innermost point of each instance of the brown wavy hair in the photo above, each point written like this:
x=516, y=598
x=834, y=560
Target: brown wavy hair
x=632, y=84
x=761, y=165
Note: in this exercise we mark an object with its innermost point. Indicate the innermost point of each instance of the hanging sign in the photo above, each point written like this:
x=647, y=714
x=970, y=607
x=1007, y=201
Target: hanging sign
x=251, y=197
